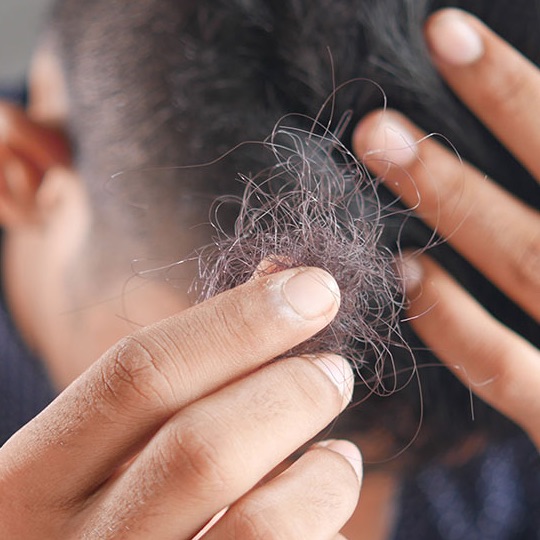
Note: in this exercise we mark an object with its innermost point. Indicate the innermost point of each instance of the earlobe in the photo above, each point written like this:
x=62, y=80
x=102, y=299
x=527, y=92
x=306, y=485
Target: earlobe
x=58, y=185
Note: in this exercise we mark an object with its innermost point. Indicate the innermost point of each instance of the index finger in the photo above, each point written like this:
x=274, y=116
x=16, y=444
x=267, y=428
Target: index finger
x=105, y=416
x=493, y=79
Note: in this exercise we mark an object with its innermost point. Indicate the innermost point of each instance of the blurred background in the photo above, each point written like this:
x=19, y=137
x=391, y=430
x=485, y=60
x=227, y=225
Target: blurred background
x=20, y=24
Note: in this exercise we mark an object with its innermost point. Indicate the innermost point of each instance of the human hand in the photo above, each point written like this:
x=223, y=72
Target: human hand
x=185, y=418
x=497, y=233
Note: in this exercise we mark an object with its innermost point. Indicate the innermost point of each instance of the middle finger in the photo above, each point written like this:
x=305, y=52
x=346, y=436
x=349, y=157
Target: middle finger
x=495, y=231
x=218, y=448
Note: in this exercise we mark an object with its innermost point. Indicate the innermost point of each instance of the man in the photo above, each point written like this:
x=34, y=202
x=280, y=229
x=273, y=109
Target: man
x=147, y=85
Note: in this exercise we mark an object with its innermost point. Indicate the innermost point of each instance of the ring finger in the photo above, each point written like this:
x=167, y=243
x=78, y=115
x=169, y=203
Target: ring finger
x=497, y=364
x=217, y=449
x=312, y=499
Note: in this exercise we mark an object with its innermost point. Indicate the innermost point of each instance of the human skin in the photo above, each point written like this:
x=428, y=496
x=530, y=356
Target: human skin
x=497, y=233
x=184, y=415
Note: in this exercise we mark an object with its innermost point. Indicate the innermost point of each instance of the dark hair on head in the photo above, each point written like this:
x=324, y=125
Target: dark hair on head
x=160, y=82
x=315, y=207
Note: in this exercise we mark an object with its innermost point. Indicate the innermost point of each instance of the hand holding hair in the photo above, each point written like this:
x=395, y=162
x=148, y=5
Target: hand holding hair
x=185, y=418
x=496, y=232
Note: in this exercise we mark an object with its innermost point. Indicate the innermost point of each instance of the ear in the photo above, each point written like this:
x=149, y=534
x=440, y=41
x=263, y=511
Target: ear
x=59, y=188
x=27, y=151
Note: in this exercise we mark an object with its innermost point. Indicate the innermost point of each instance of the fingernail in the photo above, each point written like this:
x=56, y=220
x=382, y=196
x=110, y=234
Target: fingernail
x=312, y=293
x=454, y=40
x=411, y=272
x=388, y=141
x=340, y=373
x=348, y=450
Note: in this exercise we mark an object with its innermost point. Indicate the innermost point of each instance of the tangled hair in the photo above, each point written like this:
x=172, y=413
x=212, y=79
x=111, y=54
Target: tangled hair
x=317, y=207
x=157, y=83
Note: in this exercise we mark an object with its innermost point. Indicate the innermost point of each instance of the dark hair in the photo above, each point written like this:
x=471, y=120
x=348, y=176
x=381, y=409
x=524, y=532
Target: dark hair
x=157, y=83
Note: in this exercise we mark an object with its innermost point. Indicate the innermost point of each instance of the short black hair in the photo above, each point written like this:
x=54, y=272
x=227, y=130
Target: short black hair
x=156, y=83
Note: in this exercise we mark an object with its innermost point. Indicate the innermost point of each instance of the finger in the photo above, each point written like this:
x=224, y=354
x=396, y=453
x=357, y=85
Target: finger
x=104, y=417
x=217, y=449
x=42, y=146
x=499, y=366
x=312, y=499
x=497, y=83
x=495, y=231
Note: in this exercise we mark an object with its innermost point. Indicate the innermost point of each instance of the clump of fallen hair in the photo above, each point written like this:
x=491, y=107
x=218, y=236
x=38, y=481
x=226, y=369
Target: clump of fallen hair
x=317, y=207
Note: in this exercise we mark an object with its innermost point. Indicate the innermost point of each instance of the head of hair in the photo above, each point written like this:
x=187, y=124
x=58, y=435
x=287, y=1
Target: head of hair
x=157, y=84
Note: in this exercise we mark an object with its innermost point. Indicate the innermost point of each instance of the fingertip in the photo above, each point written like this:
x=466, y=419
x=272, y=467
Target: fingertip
x=348, y=450
x=340, y=373
x=384, y=137
x=411, y=270
x=453, y=38
x=362, y=131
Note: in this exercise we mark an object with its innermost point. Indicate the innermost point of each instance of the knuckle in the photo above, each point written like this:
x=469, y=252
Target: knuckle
x=334, y=492
x=249, y=521
x=133, y=373
x=200, y=459
x=235, y=328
